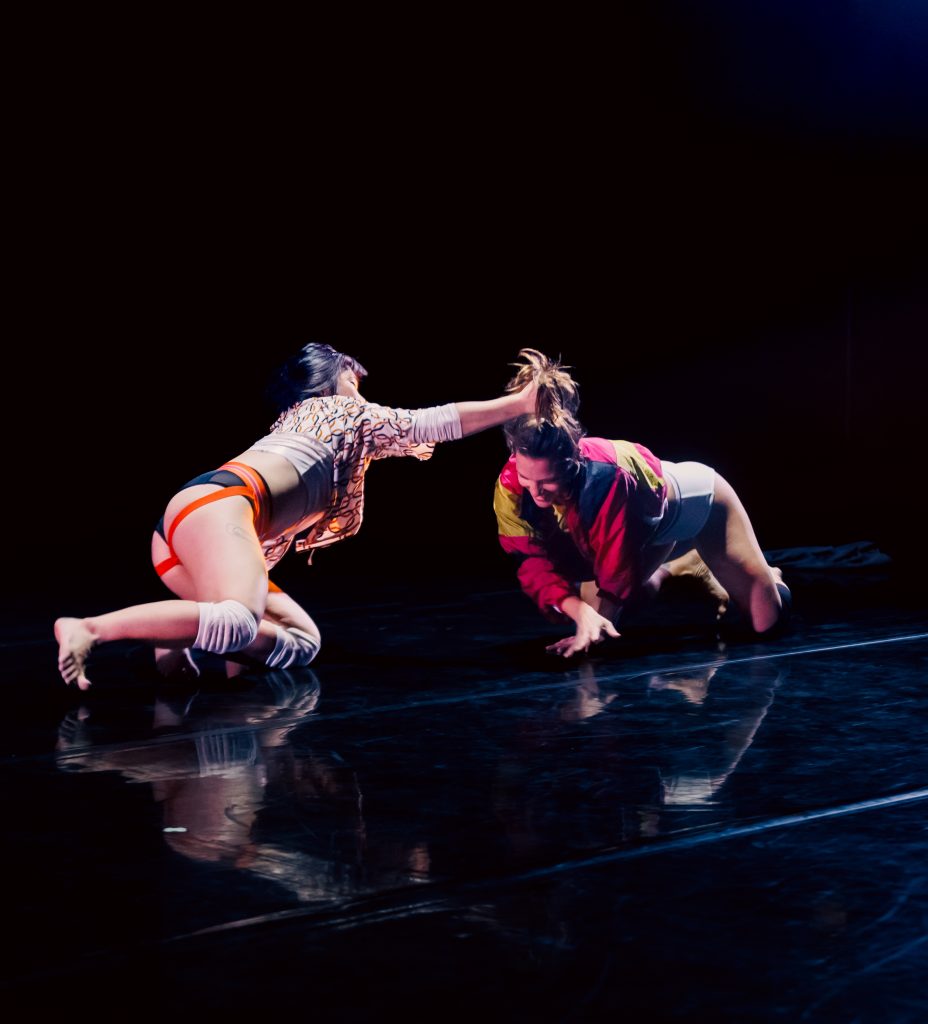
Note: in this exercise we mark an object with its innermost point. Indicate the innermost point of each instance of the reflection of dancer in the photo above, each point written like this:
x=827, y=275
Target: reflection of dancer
x=223, y=530
x=635, y=755
x=720, y=732
x=209, y=779
x=220, y=759
x=573, y=508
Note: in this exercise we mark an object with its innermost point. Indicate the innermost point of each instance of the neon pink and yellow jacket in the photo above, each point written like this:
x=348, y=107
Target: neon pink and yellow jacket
x=600, y=535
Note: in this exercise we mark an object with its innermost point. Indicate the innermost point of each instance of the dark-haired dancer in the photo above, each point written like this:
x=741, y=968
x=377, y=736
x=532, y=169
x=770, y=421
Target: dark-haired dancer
x=597, y=524
x=223, y=530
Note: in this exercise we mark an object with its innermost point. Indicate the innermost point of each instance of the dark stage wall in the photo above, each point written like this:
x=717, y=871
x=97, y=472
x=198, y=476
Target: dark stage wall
x=720, y=225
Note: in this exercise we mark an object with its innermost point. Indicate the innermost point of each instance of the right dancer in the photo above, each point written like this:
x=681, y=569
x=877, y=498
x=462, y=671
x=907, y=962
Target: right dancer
x=597, y=524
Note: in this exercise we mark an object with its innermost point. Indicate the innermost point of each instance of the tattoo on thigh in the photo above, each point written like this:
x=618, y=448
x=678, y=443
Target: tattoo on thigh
x=237, y=531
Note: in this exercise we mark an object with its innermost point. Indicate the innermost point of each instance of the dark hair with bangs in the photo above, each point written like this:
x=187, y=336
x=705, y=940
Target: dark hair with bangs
x=312, y=373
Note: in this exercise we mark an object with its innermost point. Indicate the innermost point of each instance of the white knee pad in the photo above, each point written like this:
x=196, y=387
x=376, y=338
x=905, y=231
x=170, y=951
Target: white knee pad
x=225, y=626
x=294, y=647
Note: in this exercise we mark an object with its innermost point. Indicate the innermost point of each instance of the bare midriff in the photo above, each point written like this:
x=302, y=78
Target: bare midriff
x=288, y=497
x=284, y=486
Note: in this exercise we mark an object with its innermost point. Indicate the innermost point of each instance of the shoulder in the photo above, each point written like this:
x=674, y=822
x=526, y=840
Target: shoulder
x=374, y=412
x=598, y=449
x=329, y=413
x=638, y=459
x=627, y=455
x=350, y=410
x=317, y=405
x=509, y=477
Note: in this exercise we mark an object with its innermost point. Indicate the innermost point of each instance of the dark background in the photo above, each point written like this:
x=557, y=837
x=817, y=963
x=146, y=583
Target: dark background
x=715, y=212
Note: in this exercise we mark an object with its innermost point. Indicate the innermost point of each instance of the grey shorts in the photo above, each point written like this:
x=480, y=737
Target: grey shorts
x=688, y=511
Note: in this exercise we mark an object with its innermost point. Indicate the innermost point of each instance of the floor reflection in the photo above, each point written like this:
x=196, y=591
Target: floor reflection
x=730, y=703
x=616, y=762
x=216, y=762
x=631, y=760
x=583, y=841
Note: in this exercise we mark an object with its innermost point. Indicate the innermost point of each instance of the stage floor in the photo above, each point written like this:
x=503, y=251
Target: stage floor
x=439, y=818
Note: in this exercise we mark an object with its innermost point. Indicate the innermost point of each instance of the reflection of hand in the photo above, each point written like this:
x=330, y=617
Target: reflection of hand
x=592, y=628
x=587, y=701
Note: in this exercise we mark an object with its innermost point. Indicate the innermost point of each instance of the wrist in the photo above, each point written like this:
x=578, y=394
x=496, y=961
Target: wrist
x=572, y=606
x=515, y=404
x=520, y=403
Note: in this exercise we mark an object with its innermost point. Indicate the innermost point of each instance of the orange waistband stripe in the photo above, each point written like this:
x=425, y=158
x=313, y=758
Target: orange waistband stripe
x=260, y=494
x=253, y=487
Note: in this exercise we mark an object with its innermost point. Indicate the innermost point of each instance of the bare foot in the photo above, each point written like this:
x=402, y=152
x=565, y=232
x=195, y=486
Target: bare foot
x=692, y=565
x=176, y=661
x=75, y=642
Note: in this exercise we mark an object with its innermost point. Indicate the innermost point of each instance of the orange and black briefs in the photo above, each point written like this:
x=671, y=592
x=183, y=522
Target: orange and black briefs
x=252, y=487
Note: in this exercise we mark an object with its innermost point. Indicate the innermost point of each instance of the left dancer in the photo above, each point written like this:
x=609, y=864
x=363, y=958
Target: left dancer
x=223, y=530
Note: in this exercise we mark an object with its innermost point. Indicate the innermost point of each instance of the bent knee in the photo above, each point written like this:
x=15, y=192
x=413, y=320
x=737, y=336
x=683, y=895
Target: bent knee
x=768, y=609
x=225, y=626
x=771, y=622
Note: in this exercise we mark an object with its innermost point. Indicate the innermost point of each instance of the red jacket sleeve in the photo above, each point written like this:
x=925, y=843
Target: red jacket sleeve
x=616, y=538
x=539, y=576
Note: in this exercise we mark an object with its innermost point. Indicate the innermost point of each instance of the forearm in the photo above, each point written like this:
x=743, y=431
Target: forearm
x=603, y=603
x=576, y=608
x=543, y=584
x=573, y=607
x=477, y=416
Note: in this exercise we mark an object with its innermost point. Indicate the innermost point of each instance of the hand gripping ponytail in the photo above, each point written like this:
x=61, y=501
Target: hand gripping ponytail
x=553, y=432
x=558, y=393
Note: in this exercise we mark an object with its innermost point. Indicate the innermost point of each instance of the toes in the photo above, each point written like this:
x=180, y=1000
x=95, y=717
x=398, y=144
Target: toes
x=72, y=670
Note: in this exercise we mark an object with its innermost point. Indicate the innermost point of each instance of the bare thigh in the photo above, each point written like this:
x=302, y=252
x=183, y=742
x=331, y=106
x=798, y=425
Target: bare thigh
x=728, y=545
x=219, y=551
x=280, y=609
x=177, y=580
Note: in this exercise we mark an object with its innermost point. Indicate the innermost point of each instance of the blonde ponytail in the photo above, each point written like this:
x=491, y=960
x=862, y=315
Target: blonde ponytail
x=558, y=394
x=553, y=432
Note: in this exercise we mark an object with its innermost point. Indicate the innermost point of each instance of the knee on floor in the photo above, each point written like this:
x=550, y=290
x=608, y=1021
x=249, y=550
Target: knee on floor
x=225, y=626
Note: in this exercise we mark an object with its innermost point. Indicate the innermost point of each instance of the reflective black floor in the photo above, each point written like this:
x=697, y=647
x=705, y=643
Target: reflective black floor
x=440, y=819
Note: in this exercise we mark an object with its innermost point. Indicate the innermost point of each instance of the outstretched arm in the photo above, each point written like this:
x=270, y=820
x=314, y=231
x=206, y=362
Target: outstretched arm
x=477, y=416
x=393, y=432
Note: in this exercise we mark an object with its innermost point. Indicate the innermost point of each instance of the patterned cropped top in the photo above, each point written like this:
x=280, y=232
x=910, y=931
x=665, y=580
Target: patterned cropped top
x=331, y=441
